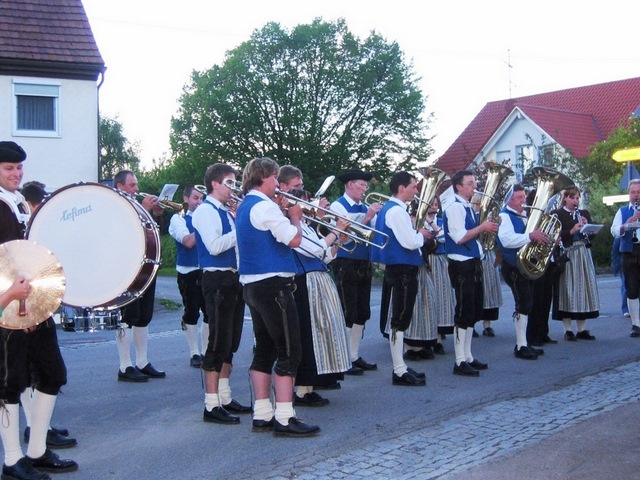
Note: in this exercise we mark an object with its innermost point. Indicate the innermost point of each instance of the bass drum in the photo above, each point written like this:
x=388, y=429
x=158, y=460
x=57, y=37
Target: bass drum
x=107, y=244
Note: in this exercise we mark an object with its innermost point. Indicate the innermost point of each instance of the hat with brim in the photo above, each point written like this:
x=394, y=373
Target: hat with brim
x=11, y=152
x=354, y=174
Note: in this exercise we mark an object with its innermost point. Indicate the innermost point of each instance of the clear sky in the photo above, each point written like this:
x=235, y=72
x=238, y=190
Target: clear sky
x=461, y=50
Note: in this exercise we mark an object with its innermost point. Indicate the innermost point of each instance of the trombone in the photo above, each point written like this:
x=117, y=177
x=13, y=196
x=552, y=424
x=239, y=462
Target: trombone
x=358, y=232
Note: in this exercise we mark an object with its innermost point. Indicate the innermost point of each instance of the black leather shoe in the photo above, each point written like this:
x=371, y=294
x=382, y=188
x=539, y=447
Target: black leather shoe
x=465, y=370
x=295, y=428
x=549, y=340
x=416, y=374
x=585, y=335
x=55, y=439
x=569, y=336
x=51, y=462
x=407, y=379
x=361, y=363
x=330, y=386
x=354, y=371
x=635, y=331
x=132, y=375
x=196, y=361
x=412, y=355
x=311, y=399
x=478, y=365
x=23, y=470
x=262, y=425
x=219, y=415
x=151, y=372
x=537, y=351
x=438, y=349
x=475, y=334
x=426, y=353
x=525, y=353
x=235, y=407
x=488, y=332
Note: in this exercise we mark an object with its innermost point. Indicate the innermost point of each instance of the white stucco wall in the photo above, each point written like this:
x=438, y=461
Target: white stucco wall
x=69, y=158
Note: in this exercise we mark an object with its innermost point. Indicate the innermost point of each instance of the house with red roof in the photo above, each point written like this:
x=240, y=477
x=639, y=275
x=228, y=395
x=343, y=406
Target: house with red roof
x=50, y=73
x=523, y=132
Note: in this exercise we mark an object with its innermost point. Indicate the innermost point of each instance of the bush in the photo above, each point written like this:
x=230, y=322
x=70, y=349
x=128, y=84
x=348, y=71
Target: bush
x=168, y=252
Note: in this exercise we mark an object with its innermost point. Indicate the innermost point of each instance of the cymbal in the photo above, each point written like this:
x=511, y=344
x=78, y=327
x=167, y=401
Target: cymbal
x=45, y=275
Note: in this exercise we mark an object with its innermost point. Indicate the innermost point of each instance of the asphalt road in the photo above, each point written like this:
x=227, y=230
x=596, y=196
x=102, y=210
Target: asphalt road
x=155, y=430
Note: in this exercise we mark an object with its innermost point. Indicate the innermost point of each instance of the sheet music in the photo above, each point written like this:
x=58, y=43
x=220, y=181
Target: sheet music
x=591, y=228
x=168, y=191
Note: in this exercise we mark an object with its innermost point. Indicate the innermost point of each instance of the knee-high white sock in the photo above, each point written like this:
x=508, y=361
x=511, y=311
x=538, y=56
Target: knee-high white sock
x=355, y=336
x=284, y=411
x=566, y=322
x=467, y=345
x=191, y=333
x=10, y=433
x=263, y=410
x=42, y=406
x=459, y=337
x=520, y=322
x=123, y=340
x=211, y=401
x=397, y=347
x=224, y=390
x=204, y=332
x=581, y=324
x=25, y=401
x=140, y=341
x=634, y=310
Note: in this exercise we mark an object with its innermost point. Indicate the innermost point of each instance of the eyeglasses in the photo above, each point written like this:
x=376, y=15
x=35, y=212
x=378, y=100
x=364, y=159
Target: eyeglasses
x=363, y=186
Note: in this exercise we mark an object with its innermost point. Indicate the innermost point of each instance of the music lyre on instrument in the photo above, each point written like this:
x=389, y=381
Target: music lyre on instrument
x=46, y=278
x=490, y=207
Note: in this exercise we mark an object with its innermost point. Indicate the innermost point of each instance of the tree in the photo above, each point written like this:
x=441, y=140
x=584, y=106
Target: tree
x=116, y=153
x=317, y=97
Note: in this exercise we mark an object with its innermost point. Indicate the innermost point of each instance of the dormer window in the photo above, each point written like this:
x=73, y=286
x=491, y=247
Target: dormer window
x=37, y=109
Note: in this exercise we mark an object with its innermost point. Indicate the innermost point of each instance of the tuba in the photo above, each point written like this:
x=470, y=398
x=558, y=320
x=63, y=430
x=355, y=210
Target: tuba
x=534, y=257
x=433, y=178
x=490, y=208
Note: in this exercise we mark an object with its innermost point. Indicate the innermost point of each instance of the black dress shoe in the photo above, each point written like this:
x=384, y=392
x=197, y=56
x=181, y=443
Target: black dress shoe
x=465, y=370
x=132, y=375
x=635, y=331
x=262, y=425
x=569, y=336
x=488, y=332
x=295, y=428
x=537, y=351
x=585, y=335
x=330, y=386
x=438, y=349
x=416, y=374
x=475, y=334
x=549, y=340
x=55, y=438
x=311, y=399
x=235, y=407
x=219, y=415
x=23, y=470
x=196, y=361
x=525, y=353
x=361, y=363
x=412, y=355
x=354, y=371
x=151, y=372
x=426, y=353
x=51, y=462
x=407, y=379
x=478, y=365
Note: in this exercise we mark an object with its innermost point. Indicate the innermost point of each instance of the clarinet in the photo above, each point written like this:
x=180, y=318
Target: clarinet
x=578, y=219
x=636, y=210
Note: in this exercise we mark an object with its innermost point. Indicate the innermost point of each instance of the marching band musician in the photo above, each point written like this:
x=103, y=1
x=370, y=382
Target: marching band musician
x=577, y=289
x=465, y=269
x=630, y=250
x=353, y=270
x=216, y=243
x=35, y=349
x=266, y=238
x=401, y=258
x=445, y=301
x=512, y=237
x=325, y=350
x=137, y=315
x=189, y=274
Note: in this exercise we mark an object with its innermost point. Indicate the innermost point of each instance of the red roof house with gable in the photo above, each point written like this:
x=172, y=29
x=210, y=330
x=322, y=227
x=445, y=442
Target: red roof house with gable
x=514, y=129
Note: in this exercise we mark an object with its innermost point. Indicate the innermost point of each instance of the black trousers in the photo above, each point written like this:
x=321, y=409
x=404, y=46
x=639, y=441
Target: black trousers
x=543, y=287
x=191, y=292
x=466, y=279
x=140, y=312
x=353, y=280
x=275, y=326
x=30, y=359
x=521, y=287
x=401, y=282
x=225, y=310
x=631, y=270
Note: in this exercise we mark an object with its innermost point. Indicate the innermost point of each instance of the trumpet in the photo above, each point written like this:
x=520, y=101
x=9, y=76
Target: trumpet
x=358, y=232
x=165, y=204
